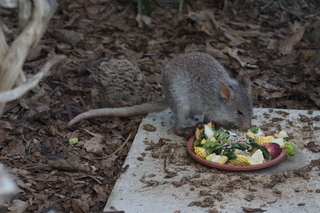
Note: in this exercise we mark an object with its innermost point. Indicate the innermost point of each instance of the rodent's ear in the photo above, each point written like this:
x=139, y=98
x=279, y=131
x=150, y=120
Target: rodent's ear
x=226, y=92
x=245, y=80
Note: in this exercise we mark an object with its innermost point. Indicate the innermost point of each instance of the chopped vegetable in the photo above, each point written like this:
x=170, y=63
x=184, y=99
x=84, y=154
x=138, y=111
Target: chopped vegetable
x=221, y=159
x=262, y=140
x=200, y=151
x=73, y=141
x=212, y=139
x=282, y=134
x=290, y=148
x=209, y=133
x=273, y=149
x=256, y=158
x=210, y=156
x=198, y=132
x=203, y=141
x=240, y=160
x=250, y=134
x=254, y=129
x=279, y=141
x=259, y=133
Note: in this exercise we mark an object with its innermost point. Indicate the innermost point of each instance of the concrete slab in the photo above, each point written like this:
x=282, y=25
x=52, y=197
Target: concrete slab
x=293, y=185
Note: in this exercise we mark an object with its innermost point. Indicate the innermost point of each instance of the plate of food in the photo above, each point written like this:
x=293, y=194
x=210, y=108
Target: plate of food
x=232, y=150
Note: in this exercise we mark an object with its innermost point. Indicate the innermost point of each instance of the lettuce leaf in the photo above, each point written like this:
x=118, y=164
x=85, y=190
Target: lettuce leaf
x=254, y=129
x=290, y=148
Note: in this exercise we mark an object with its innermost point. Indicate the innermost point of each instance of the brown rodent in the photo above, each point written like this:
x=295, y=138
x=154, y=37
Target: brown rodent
x=194, y=83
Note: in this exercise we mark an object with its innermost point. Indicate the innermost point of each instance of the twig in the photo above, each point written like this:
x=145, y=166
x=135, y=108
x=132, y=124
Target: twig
x=117, y=150
x=17, y=92
x=67, y=106
x=41, y=114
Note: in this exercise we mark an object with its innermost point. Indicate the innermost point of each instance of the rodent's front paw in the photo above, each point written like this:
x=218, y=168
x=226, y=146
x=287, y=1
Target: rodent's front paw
x=185, y=132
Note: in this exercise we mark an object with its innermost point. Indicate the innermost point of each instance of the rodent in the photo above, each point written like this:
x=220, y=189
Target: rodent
x=194, y=83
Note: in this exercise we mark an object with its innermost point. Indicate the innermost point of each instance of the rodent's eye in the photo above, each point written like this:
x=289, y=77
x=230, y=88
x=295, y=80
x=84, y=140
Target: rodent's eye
x=239, y=112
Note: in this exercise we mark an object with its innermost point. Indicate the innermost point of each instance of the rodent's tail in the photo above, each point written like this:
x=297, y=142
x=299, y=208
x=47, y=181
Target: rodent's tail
x=142, y=109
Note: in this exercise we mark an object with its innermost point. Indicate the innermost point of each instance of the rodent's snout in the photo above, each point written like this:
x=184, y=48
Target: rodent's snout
x=246, y=126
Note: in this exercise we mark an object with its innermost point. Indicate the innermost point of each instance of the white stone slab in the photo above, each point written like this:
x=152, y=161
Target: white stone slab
x=297, y=194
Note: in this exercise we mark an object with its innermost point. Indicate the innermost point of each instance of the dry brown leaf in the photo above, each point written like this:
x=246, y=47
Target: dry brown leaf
x=262, y=83
x=286, y=47
x=67, y=36
x=249, y=209
x=243, y=24
x=3, y=135
x=108, y=162
x=286, y=60
x=5, y=125
x=272, y=44
x=34, y=53
x=249, y=62
x=94, y=145
x=216, y=53
x=206, y=21
x=236, y=40
x=18, y=206
x=253, y=33
x=80, y=206
x=41, y=196
x=14, y=148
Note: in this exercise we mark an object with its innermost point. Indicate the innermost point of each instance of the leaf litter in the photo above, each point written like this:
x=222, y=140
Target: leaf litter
x=279, y=52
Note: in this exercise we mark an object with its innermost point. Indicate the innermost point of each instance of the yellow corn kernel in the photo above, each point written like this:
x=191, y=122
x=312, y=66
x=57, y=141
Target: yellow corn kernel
x=197, y=133
x=263, y=140
x=240, y=160
x=200, y=151
x=250, y=134
x=221, y=159
x=203, y=141
x=209, y=157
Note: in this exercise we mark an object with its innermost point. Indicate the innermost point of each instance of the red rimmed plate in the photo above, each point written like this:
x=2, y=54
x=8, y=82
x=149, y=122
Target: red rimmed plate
x=230, y=167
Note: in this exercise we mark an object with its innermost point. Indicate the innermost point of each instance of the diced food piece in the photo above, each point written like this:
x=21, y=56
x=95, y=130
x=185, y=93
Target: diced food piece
x=256, y=158
x=259, y=133
x=210, y=156
x=212, y=139
x=208, y=131
x=197, y=133
x=289, y=148
x=210, y=124
x=250, y=134
x=279, y=141
x=263, y=140
x=203, y=141
x=273, y=149
x=200, y=151
x=221, y=159
x=240, y=160
x=282, y=134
